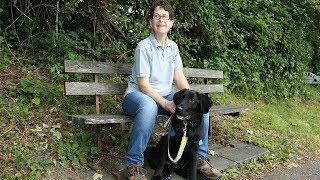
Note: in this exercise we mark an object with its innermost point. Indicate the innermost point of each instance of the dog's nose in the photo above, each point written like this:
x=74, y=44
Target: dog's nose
x=179, y=108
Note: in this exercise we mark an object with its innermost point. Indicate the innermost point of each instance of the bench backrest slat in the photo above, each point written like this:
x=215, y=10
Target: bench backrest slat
x=94, y=67
x=93, y=88
x=204, y=88
x=202, y=73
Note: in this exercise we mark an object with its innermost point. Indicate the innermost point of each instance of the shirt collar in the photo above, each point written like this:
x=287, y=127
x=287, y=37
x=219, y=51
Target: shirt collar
x=156, y=44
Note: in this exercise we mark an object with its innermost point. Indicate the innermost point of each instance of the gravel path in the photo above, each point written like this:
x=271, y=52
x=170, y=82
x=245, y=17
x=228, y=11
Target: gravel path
x=307, y=170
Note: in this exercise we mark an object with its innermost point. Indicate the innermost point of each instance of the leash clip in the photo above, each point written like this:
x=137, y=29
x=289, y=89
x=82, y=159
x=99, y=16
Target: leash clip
x=185, y=128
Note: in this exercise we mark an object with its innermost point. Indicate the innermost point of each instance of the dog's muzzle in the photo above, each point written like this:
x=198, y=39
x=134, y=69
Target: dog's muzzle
x=183, y=117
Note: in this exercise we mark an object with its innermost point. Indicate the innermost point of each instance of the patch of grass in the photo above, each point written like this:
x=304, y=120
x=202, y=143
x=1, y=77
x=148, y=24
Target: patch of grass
x=230, y=173
x=32, y=139
x=312, y=93
x=227, y=98
x=287, y=121
x=288, y=128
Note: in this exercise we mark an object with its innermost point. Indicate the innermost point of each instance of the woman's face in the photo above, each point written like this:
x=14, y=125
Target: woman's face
x=161, y=26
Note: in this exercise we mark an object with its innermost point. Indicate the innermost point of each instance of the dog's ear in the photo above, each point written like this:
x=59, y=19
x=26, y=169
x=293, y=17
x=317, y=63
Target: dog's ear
x=177, y=96
x=205, y=103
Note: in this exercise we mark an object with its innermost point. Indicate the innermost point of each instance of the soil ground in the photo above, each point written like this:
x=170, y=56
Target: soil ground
x=108, y=165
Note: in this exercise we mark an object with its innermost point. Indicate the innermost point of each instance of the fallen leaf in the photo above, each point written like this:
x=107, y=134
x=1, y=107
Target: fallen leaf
x=43, y=145
x=211, y=152
x=97, y=176
x=58, y=126
x=295, y=165
x=249, y=132
x=57, y=135
x=37, y=129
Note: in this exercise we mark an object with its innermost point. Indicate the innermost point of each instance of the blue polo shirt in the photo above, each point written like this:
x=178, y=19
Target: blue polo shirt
x=156, y=62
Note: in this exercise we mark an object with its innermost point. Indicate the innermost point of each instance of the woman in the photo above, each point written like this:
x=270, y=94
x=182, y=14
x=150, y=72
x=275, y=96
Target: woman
x=157, y=64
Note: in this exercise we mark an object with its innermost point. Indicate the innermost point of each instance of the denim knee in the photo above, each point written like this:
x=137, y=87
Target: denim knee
x=146, y=116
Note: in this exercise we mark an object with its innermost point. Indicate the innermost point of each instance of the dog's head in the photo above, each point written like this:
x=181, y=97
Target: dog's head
x=190, y=103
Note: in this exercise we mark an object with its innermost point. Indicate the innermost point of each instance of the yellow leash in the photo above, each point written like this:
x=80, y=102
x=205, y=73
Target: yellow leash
x=182, y=144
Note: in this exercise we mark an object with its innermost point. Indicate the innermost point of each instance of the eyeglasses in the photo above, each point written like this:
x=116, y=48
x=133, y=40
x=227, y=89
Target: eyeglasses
x=164, y=17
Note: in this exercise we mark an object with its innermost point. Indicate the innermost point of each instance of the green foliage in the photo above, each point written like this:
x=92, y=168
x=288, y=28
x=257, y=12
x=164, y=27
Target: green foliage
x=252, y=166
x=33, y=88
x=263, y=47
x=22, y=158
x=57, y=73
x=312, y=93
x=13, y=112
x=73, y=148
x=4, y=61
x=230, y=173
x=78, y=105
x=30, y=145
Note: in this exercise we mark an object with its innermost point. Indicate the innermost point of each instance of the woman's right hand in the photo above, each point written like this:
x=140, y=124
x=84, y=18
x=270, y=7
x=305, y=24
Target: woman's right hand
x=170, y=106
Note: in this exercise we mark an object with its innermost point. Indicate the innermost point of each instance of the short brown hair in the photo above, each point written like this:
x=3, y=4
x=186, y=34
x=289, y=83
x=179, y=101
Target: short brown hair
x=163, y=4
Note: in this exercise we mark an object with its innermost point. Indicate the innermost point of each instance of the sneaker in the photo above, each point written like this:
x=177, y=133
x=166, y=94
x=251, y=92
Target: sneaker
x=207, y=170
x=136, y=172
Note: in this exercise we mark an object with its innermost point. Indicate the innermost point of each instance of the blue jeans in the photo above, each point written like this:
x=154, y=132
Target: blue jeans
x=145, y=111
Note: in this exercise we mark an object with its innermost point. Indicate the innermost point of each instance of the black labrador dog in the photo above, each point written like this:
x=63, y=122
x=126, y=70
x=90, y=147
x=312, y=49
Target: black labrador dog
x=190, y=107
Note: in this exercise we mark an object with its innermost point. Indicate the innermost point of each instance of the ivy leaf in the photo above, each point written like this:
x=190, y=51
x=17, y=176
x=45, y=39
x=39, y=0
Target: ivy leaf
x=36, y=101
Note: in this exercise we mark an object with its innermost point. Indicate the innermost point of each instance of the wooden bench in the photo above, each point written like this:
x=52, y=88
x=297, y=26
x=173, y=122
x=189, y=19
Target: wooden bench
x=96, y=89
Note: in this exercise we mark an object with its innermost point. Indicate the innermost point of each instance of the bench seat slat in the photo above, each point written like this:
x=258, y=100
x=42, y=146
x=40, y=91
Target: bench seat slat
x=227, y=109
x=93, y=88
x=101, y=118
x=105, y=118
x=122, y=118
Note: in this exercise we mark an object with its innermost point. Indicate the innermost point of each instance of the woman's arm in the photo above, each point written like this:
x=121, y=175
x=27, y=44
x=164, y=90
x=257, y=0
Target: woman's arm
x=180, y=80
x=145, y=87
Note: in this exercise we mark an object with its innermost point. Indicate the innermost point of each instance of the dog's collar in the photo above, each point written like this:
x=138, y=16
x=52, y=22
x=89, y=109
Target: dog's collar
x=183, y=143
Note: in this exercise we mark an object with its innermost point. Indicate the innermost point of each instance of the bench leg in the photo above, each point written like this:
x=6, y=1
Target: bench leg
x=123, y=126
x=98, y=136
